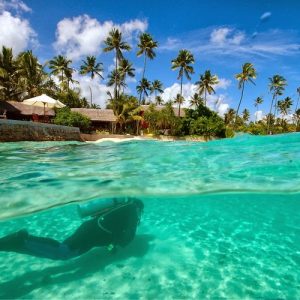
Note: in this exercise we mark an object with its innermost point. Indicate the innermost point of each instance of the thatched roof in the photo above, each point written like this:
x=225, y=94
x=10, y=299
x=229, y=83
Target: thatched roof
x=24, y=109
x=160, y=107
x=103, y=115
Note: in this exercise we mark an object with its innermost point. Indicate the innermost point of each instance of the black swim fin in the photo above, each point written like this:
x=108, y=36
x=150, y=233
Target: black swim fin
x=13, y=242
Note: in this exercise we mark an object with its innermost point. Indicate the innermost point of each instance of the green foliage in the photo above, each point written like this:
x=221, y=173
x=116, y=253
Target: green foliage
x=229, y=133
x=126, y=110
x=66, y=117
x=72, y=98
x=208, y=126
x=162, y=121
x=203, y=121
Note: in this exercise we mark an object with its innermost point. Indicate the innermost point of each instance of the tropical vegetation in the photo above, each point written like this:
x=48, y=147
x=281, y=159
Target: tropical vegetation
x=22, y=76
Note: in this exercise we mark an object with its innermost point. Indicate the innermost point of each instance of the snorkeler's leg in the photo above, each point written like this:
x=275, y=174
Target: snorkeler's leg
x=14, y=241
x=22, y=242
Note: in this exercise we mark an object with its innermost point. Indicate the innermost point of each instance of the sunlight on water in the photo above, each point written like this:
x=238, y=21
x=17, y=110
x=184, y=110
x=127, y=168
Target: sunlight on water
x=221, y=219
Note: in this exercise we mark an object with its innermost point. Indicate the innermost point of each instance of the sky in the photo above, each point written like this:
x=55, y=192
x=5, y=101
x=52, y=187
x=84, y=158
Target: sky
x=221, y=34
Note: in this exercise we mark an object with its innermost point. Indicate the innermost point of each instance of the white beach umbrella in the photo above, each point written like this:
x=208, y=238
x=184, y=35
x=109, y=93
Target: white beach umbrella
x=44, y=101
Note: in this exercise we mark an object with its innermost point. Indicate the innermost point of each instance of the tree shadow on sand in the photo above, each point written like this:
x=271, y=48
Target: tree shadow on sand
x=79, y=268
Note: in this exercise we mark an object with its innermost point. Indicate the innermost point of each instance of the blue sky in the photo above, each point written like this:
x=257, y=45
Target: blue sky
x=222, y=35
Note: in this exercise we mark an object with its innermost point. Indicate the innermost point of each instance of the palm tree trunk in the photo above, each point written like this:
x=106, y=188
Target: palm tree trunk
x=180, y=96
x=205, y=97
x=137, y=127
x=144, y=66
x=256, y=114
x=91, y=95
x=62, y=79
x=296, y=110
x=297, y=103
x=269, y=119
x=237, y=111
x=116, y=91
x=143, y=76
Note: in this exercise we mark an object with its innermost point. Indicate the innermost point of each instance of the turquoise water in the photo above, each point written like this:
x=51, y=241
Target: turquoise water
x=221, y=219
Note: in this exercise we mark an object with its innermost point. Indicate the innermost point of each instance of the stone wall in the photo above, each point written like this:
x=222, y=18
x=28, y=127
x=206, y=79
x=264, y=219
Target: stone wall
x=14, y=131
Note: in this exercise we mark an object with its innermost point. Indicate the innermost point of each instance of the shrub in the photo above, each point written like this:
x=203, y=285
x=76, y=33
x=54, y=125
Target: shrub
x=208, y=126
x=65, y=116
x=229, y=132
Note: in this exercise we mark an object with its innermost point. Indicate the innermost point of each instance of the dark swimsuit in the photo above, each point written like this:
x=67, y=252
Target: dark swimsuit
x=116, y=226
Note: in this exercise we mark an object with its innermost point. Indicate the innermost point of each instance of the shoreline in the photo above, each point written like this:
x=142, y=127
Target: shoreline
x=119, y=138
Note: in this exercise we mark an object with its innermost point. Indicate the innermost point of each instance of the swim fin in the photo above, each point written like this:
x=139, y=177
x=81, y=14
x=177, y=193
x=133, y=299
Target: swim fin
x=13, y=242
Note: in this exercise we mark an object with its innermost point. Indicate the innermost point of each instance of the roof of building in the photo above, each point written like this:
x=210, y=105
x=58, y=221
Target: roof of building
x=24, y=109
x=95, y=114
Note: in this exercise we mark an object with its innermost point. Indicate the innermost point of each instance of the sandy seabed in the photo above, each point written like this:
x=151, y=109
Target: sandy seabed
x=178, y=253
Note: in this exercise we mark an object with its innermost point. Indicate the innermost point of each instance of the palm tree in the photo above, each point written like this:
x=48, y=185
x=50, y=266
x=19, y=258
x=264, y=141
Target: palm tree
x=206, y=83
x=32, y=77
x=248, y=74
x=126, y=68
x=196, y=100
x=146, y=46
x=114, y=42
x=50, y=87
x=183, y=61
x=258, y=101
x=9, y=88
x=159, y=100
x=245, y=115
x=298, y=91
x=178, y=100
x=117, y=79
x=229, y=117
x=90, y=66
x=296, y=108
x=297, y=119
x=285, y=106
x=277, y=84
x=156, y=86
x=143, y=88
x=60, y=66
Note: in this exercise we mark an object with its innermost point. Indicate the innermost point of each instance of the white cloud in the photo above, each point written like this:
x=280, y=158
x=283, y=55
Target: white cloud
x=131, y=79
x=230, y=41
x=222, y=109
x=265, y=16
x=15, y=32
x=217, y=102
x=84, y=35
x=188, y=89
x=171, y=44
x=223, y=84
x=132, y=27
x=99, y=90
x=16, y=5
x=224, y=36
x=258, y=115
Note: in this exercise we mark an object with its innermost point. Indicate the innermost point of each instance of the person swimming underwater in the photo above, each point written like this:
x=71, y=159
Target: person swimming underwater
x=113, y=226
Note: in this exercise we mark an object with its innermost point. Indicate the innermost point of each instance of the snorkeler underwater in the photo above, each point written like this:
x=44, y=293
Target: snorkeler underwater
x=112, y=223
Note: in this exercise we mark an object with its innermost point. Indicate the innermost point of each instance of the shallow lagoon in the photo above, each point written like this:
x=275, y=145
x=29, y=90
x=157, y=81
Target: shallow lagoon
x=221, y=219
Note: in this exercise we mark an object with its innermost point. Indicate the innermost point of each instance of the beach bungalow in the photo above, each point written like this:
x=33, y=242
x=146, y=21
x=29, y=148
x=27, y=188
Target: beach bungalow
x=15, y=110
x=102, y=119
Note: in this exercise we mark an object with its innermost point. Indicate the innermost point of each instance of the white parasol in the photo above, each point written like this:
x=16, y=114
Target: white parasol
x=44, y=101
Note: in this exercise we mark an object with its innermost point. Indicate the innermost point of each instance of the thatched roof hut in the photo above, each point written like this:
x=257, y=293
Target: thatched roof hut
x=97, y=115
x=19, y=110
